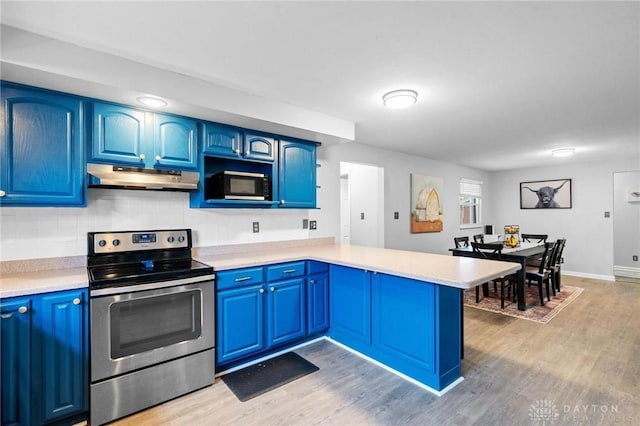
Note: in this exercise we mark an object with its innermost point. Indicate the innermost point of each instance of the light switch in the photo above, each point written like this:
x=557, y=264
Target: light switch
x=607, y=214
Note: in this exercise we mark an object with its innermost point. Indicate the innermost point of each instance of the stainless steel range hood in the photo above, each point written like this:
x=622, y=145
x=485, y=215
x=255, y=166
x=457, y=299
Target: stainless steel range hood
x=109, y=176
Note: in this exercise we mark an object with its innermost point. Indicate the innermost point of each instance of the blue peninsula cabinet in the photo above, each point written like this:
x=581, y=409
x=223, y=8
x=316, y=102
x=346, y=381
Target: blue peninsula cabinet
x=41, y=148
x=398, y=322
x=129, y=137
x=45, y=358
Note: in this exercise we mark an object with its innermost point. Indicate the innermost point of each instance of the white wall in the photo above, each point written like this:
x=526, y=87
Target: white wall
x=589, y=249
x=397, y=169
x=29, y=233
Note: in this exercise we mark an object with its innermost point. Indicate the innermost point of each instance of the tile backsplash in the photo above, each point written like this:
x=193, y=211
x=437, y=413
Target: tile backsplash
x=41, y=232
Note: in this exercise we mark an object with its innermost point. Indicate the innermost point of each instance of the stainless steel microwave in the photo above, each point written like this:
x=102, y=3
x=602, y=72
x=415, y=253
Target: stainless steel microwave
x=233, y=185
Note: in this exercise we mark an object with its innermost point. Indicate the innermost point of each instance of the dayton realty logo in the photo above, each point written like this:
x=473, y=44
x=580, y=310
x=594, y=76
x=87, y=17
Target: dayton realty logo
x=543, y=412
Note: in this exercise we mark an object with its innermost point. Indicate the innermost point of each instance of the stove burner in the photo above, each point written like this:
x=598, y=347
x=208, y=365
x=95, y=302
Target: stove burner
x=160, y=258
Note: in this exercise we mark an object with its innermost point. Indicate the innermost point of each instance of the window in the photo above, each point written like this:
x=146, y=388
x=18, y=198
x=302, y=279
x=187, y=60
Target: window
x=470, y=203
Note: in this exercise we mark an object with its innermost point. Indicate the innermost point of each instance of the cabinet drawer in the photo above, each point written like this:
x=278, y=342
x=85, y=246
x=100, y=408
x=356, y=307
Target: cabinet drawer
x=238, y=277
x=314, y=267
x=285, y=270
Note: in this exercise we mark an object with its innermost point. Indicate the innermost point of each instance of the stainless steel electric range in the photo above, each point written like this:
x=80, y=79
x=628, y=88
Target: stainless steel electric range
x=152, y=320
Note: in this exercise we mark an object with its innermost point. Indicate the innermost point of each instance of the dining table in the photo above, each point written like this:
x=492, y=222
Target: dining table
x=521, y=254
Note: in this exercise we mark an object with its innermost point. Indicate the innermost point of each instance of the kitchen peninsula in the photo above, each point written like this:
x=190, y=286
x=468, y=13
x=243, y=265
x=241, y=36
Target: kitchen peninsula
x=401, y=309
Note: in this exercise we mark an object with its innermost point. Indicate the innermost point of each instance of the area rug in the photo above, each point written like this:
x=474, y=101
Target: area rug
x=267, y=375
x=534, y=312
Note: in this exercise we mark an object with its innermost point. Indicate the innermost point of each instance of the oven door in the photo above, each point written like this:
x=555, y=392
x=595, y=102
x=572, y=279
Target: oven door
x=137, y=329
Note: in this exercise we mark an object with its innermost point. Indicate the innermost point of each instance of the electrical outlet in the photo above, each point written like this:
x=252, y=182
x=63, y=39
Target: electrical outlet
x=313, y=225
x=396, y=215
x=607, y=214
x=305, y=223
x=635, y=257
x=362, y=216
x=256, y=227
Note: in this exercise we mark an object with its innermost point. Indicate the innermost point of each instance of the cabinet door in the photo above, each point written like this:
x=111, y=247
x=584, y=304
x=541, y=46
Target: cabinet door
x=41, y=149
x=64, y=348
x=350, y=306
x=317, y=303
x=118, y=136
x=221, y=141
x=286, y=311
x=15, y=319
x=404, y=327
x=297, y=175
x=240, y=322
x=175, y=142
x=258, y=147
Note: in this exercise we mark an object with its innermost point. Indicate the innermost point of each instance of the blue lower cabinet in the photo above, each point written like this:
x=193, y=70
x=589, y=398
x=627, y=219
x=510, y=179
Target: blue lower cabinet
x=286, y=311
x=64, y=345
x=411, y=326
x=15, y=337
x=45, y=358
x=256, y=315
x=240, y=322
x=317, y=303
x=350, y=306
x=403, y=325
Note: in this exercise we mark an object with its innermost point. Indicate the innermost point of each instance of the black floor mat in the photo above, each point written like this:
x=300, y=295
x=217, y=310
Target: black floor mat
x=267, y=375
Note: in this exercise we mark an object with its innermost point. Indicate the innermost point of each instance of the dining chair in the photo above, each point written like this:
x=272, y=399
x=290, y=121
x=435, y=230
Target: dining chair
x=478, y=238
x=555, y=265
x=507, y=282
x=534, y=238
x=461, y=241
x=541, y=275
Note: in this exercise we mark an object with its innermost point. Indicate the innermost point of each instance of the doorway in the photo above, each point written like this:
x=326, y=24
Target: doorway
x=626, y=226
x=361, y=204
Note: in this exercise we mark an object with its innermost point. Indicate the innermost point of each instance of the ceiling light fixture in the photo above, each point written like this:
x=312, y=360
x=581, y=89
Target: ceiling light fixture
x=399, y=99
x=563, y=152
x=152, y=101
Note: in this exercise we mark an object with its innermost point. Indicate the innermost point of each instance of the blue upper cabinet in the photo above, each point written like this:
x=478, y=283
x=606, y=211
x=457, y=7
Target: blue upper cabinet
x=130, y=137
x=229, y=142
x=222, y=141
x=297, y=174
x=259, y=147
x=118, y=135
x=41, y=149
x=175, y=142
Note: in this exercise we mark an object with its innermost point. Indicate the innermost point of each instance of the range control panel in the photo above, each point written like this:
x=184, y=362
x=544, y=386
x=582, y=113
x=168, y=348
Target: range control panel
x=115, y=242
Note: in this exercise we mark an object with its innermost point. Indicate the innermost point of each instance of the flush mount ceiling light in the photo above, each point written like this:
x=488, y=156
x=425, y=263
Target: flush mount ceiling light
x=563, y=152
x=399, y=99
x=152, y=101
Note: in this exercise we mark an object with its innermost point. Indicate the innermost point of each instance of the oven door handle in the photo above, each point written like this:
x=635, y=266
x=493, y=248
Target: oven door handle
x=150, y=286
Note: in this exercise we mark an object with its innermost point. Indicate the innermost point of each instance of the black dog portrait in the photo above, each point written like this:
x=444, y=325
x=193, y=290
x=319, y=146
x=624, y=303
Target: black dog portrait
x=546, y=194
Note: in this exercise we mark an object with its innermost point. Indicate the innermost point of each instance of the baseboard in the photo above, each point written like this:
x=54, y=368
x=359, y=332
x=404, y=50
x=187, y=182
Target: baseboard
x=626, y=271
x=592, y=276
x=396, y=372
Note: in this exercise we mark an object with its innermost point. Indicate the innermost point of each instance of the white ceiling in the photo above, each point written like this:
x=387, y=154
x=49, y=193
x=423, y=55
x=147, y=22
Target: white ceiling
x=500, y=83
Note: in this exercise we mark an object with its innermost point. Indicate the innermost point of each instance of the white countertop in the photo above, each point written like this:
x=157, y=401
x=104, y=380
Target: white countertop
x=26, y=283
x=453, y=271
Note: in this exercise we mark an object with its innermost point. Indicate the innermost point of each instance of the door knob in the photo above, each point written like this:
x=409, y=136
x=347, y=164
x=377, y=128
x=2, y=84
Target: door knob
x=76, y=301
x=2, y=193
x=22, y=309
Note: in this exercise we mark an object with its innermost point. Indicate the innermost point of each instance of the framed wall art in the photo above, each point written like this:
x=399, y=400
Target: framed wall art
x=546, y=194
x=426, y=204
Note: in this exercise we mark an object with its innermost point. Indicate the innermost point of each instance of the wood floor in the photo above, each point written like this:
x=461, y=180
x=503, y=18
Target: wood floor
x=583, y=367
